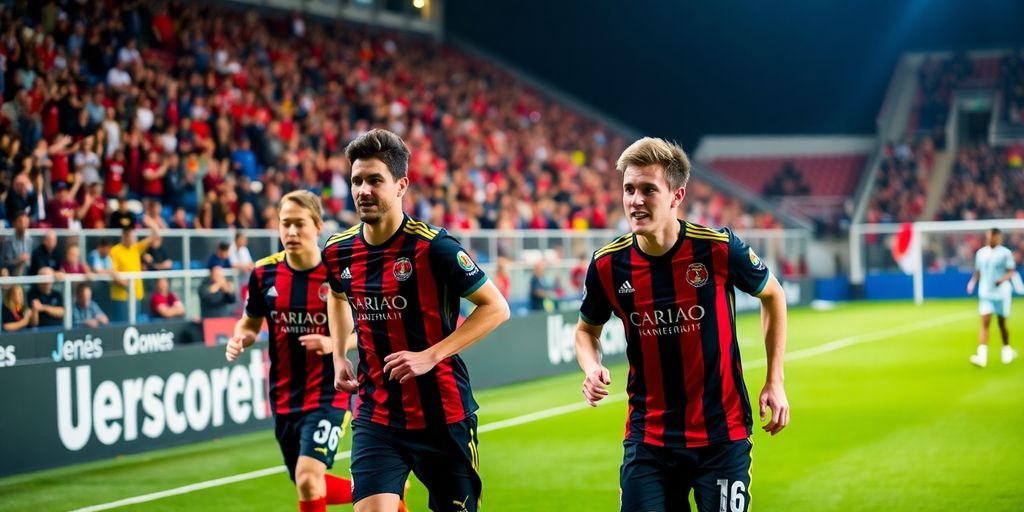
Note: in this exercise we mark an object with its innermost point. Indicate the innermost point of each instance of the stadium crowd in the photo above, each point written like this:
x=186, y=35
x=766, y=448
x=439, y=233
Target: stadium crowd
x=130, y=114
x=209, y=123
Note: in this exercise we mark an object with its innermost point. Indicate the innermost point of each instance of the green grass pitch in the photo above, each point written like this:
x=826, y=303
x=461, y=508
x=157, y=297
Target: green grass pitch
x=887, y=416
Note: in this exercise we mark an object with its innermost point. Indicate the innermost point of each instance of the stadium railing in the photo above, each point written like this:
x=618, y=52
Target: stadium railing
x=560, y=250
x=187, y=248
x=184, y=283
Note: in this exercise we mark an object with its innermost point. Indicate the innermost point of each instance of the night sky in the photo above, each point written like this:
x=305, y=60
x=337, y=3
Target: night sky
x=687, y=69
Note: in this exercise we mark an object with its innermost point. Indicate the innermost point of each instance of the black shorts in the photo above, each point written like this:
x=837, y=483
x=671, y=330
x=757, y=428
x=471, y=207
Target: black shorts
x=654, y=478
x=314, y=434
x=445, y=460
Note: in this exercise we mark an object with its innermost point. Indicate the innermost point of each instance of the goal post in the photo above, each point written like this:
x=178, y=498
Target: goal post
x=935, y=247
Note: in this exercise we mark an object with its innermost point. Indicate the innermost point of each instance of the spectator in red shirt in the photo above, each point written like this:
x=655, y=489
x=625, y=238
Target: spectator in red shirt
x=58, y=154
x=134, y=154
x=93, y=211
x=164, y=303
x=114, y=169
x=153, y=172
x=214, y=177
x=62, y=209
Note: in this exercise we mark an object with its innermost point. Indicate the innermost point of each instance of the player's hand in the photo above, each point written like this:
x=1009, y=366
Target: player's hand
x=344, y=377
x=406, y=365
x=970, y=287
x=318, y=343
x=594, y=385
x=236, y=345
x=773, y=397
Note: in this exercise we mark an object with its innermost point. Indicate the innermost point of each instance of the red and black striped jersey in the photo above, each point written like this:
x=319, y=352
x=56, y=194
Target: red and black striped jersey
x=685, y=382
x=294, y=303
x=405, y=295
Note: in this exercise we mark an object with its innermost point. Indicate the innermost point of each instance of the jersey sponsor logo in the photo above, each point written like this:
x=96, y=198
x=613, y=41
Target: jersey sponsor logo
x=321, y=449
x=461, y=504
x=379, y=308
x=403, y=269
x=300, y=322
x=626, y=288
x=697, y=275
x=324, y=291
x=78, y=349
x=136, y=343
x=668, y=321
x=466, y=263
x=754, y=260
x=272, y=292
x=345, y=274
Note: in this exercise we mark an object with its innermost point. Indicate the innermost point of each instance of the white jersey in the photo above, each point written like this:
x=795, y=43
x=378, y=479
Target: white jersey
x=991, y=263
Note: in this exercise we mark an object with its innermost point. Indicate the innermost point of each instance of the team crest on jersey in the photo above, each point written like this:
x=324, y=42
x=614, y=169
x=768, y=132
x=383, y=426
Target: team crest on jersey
x=324, y=290
x=466, y=263
x=697, y=274
x=402, y=269
x=755, y=261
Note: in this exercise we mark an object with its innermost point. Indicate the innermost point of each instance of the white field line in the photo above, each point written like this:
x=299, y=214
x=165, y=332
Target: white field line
x=825, y=348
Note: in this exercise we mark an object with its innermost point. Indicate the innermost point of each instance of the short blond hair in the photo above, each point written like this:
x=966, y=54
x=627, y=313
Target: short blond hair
x=653, y=151
x=308, y=201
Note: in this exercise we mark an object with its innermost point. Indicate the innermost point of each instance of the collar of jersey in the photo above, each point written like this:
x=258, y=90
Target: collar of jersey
x=386, y=243
x=672, y=250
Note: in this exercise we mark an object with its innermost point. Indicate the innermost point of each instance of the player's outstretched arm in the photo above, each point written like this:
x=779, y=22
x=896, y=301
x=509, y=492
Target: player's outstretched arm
x=588, y=355
x=340, y=326
x=491, y=311
x=972, y=282
x=246, y=330
x=773, y=324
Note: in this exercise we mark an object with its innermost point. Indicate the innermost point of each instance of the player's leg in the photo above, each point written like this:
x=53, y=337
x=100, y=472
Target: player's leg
x=985, y=308
x=447, y=462
x=379, y=470
x=649, y=481
x=310, y=484
x=286, y=430
x=1003, y=331
x=1008, y=353
x=319, y=435
x=723, y=477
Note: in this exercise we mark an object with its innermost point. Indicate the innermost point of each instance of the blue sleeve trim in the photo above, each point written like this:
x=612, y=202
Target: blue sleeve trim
x=763, y=284
x=475, y=287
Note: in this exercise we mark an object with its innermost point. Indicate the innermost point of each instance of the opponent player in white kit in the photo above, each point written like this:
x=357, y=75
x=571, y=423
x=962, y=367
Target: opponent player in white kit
x=993, y=269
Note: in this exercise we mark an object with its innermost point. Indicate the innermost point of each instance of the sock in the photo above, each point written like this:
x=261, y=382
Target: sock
x=983, y=352
x=317, y=505
x=339, y=490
